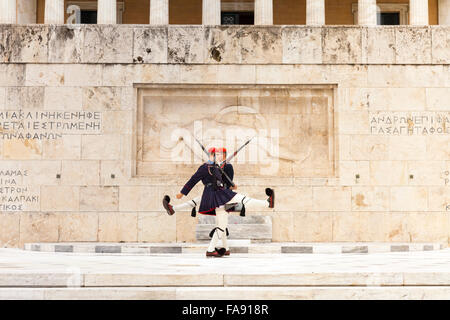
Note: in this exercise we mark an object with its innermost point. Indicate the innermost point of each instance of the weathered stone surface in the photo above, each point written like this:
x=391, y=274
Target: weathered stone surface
x=12, y=74
x=427, y=225
x=156, y=227
x=331, y=199
x=99, y=198
x=313, y=226
x=185, y=225
x=409, y=199
x=81, y=75
x=387, y=173
x=107, y=43
x=150, y=45
x=346, y=226
x=440, y=39
x=68, y=147
x=24, y=43
x=65, y=43
x=439, y=198
x=9, y=229
x=407, y=76
x=80, y=172
x=370, y=198
x=25, y=98
x=342, y=45
x=365, y=147
x=233, y=44
x=78, y=227
x=100, y=147
x=38, y=227
x=48, y=75
x=438, y=99
x=185, y=44
x=354, y=173
x=117, y=226
x=2, y=98
x=302, y=45
x=380, y=45
x=23, y=149
x=62, y=98
x=413, y=45
x=101, y=98
x=60, y=198
x=140, y=198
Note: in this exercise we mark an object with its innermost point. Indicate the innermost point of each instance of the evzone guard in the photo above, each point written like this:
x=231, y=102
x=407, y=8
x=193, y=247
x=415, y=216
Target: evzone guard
x=218, y=197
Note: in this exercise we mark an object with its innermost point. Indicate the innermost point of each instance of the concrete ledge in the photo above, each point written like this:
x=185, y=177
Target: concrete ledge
x=290, y=44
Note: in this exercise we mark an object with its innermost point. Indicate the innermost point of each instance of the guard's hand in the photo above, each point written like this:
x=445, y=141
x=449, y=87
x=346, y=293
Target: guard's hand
x=179, y=196
x=233, y=188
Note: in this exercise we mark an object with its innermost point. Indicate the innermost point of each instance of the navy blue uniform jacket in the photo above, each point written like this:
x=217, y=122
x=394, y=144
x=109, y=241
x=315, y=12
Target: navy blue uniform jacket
x=211, y=199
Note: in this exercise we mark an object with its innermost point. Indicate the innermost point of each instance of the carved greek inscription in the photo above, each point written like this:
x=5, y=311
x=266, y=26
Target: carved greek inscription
x=40, y=125
x=415, y=123
x=13, y=196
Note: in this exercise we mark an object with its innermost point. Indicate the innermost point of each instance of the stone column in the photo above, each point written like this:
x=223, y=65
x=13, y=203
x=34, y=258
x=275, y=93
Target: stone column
x=54, y=12
x=367, y=12
x=263, y=12
x=418, y=12
x=8, y=11
x=315, y=12
x=444, y=12
x=211, y=12
x=26, y=11
x=159, y=12
x=107, y=12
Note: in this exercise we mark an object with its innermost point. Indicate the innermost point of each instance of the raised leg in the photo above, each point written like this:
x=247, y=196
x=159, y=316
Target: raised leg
x=188, y=205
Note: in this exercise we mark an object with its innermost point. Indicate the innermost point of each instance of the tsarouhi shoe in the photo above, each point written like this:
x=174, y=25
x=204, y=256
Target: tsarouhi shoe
x=271, y=193
x=227, y=252
x=168, y=206
x=216, y=253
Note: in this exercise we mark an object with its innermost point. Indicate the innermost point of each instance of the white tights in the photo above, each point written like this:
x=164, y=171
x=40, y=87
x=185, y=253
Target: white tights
x=222, y=219
x=222, y=216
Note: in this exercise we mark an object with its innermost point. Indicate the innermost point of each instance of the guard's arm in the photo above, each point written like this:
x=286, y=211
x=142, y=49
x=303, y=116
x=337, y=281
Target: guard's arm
x=230, y=173
x=193, y=181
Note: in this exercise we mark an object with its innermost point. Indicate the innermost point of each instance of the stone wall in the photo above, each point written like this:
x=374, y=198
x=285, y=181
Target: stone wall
x=74, y=177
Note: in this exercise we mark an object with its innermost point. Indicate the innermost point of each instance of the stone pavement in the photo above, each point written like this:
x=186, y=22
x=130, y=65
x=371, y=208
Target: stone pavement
x=236, y=246
x=390, y=275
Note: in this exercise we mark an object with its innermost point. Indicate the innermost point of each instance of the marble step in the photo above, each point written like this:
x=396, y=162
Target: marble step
x=244, y=246
x=30, y=279
x=232, y=293
x=249, y=227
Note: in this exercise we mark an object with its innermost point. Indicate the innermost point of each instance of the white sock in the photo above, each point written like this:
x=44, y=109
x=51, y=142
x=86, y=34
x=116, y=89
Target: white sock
x=188, y=205
x=249, y=202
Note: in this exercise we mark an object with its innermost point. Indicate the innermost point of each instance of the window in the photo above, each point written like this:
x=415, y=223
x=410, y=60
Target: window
x=88, y=16
x=387, y=13
x=238, y=18
x=237, y=13
x=388, y=18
